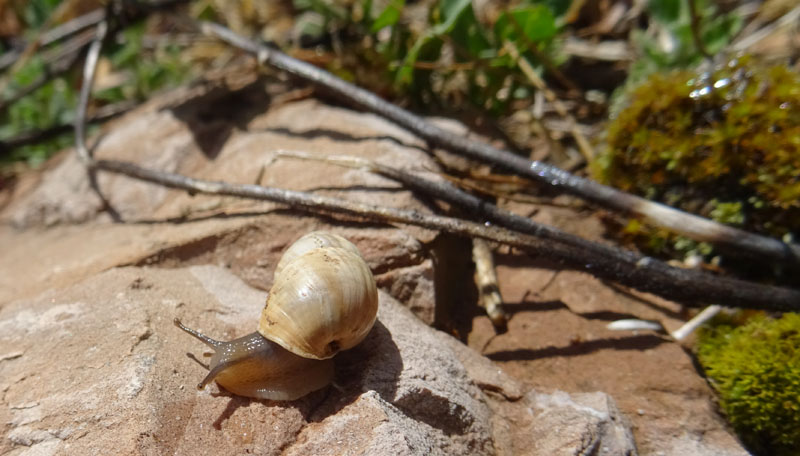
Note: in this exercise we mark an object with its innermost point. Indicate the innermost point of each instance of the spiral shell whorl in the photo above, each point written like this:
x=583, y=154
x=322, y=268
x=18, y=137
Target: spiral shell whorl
x=324, y=298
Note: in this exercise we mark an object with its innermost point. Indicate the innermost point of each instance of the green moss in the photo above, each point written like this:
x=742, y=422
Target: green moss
x=723, y=144
x=755, y=368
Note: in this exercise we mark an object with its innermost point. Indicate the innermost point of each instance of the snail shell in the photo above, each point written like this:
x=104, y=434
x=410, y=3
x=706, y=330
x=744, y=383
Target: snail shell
x=323, y=300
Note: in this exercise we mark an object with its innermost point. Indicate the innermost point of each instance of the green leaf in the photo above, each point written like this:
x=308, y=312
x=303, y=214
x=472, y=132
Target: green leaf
x=665, y=10
x=533, y=23
x=389, y=16
x=451, y=10
x=468, y=35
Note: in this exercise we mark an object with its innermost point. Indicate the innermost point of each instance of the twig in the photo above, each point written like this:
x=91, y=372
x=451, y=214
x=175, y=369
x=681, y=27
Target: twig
x=57, y=33
x=690, y=287
x=583, y=144
x=689, y=225
x=88, y=80
x=691, y=325
x=37, y=136
x=488, y=289
x=609, y=51
x=34, y=45
x=59, y=66
x=696, y=32
x=751, y=39
x=481, y=210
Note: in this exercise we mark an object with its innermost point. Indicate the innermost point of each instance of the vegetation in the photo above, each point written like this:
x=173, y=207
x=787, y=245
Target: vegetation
x=724, y=144
x=129, y=70
x=755, y=368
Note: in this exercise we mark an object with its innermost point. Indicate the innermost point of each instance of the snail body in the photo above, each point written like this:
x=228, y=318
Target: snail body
x=323, y=300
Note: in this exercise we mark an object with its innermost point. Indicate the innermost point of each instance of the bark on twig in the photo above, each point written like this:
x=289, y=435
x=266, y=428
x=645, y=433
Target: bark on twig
x=697, y=33
x=488, y=289
x=692, y=226
x=88, y=80
x=691, y=287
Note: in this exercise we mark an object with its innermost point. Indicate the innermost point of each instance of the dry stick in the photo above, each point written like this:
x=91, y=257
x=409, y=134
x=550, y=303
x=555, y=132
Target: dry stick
x=689, y=225
x=751, y=39
x=707, y=314
x=488, y=289
x=690, y=287
x=88, y=80
x=696, y=32
x=481, y=209
x=527, y=69
x=58, y=33
x=52, y=70
x=670, y=283
x=36, y=136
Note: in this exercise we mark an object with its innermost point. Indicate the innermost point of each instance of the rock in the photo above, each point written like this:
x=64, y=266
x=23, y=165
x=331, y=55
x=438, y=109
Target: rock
x=98, y=367
x=557, y=338
x=226, y=133
x=587, y=423
x=120, y=381
x=88, y=354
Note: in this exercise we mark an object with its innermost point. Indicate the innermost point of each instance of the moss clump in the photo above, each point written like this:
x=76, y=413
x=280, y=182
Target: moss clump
x=755, y=368
x=723, y=144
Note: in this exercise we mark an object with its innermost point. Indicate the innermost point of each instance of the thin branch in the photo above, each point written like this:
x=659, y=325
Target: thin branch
x=488, y=289
x=696, y=32
x=89, y=68
x=27, y=138
x=60, y=65
x=484, y=210
x=690, y=326
x=751, y=39
x=688, y=286
x=692, y=226
x=59, y=32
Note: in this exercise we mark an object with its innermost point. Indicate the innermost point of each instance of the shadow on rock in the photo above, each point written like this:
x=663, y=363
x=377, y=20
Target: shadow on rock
x=533, y=306
x=338, y=136
x=374, y=365
x=640, y=342
x=213, y=116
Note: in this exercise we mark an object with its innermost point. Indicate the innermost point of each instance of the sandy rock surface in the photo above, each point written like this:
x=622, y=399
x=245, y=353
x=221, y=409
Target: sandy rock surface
x=217, y=134
x=122, y=383
x=90, y=361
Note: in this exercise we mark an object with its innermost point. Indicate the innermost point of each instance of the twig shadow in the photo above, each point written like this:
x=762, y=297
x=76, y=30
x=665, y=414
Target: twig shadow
x=339, y=136
x=213, y=116
x=636, y=342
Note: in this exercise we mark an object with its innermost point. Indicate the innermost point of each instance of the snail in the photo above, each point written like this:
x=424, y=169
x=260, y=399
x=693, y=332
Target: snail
x=323, y=300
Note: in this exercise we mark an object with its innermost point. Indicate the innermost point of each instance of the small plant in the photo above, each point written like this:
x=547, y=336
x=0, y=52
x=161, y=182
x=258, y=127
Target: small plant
x=440, y=53
x=670, y=44
x=724, y=144
x=755, y=368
